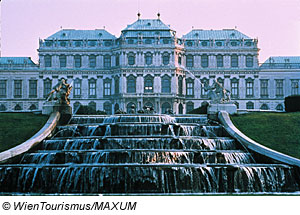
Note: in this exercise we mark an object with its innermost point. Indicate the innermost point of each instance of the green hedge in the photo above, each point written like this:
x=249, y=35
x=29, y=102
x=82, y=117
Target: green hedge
x=292, y=103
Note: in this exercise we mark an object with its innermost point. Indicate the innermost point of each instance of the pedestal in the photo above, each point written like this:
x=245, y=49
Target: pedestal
x=65, y=110
x=213, y=109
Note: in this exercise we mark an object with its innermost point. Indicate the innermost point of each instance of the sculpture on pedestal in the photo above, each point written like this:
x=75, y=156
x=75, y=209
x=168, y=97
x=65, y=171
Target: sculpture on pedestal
x=60, y=93
x=217, y=93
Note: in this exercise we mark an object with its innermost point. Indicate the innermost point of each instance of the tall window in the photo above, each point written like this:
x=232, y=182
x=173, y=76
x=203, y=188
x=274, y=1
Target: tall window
x=77, y=88
x=117, y=85
x=249, y=88
x=92, y=88
x=148, y=58
x=62, y=61
x=166, y=85
x=204, y=83
x=77, y=59
x=204, y=61
x=47, y=87
x=117, y=60
x=279, y=88
x=189, y=60
x=32, y=88
x=235, y=88
x=220, y=62
x=107, y=107
x=189, y=87
x=180, y=85
x=3, y=89
x=295, y=87
x=234, y=61
x=165, y=107
x=92, y=61
x=107, y=61
x=264, y=107
x=148, y=85
x=131, y=84
x=249, y=61
x=107, y=87
x=189, y=106
x=166, y=58
x=264, y=88
x=131, y=59
x=250, y=105
x=18, y=88
x=48, y=61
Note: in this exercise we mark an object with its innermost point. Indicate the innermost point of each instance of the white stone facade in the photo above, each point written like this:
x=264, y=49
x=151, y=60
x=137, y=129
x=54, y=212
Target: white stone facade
x=148, y=65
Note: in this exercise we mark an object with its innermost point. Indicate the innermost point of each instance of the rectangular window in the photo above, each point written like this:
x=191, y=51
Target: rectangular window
x=190, y=61
x=234, y=61
x=107, y=88
x=234, y=89
x=264, y=88
x=107, y=61
x=77, y=59
x=203, y=91
x=249, y=88
x=62, y=61
x=117, y=88
x=92, y=88
x=3, y=89
x=18, y=88
x=295, y=87
x=204, y=61
x=190, y=89
x=47, y=87
x=32, y=88
x=279, y=88
x=77, y=88
x=220, y=61
x=92, y=61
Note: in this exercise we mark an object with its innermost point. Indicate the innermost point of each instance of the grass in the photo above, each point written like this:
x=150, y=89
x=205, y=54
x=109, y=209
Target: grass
x=278, y=131
x=15, y=128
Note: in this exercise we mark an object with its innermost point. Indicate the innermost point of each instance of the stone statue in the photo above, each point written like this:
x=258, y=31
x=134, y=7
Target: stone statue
x=217, y=93
x=60, y=92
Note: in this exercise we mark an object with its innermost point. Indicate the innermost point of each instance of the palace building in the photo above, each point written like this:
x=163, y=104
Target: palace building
x=148, y=65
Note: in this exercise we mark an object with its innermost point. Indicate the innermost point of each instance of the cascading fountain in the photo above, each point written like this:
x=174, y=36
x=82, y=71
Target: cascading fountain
x=156, y=154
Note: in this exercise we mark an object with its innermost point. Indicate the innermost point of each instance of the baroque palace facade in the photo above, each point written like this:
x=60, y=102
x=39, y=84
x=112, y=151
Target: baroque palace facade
x=148, y=65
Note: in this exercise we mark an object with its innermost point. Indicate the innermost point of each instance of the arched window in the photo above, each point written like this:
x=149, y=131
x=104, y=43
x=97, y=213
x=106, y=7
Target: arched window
x=220, y=62
x=48, y=60
x=117, y=107
x=166, y=58
x=279, y=107
x=165, y=108
x=234, y=88
x=148, y=84
x=264, y=107
x=92, y=106
x=76, y=107
x=180, y=108
x=117, y=85
x=92, y=61
x=204, y=61
x=166, y=84
x=107, y=108
x=18, y=107
x=234, y=60
x=189, y=60
x=249, y=87
x=249, y=61
x=33, y=107
x=131, y=59
x=204, y=82
x=2, y=107
x=148, y=58
x=250, y=105
x=149, y=104
x=180, y=85
x=107, y=87
x=92, y=88
x=117, y=60
x=189, y=87
x=131, y=84
x=77, y=88
x=77, y=59
x=62, y=61
x=189, y=107
x=221, y=81
x=131, y=107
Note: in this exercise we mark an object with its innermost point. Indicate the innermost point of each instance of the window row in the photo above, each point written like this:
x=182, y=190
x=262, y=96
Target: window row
x=218, y=43
x=78, y=43
x=234, y=61
x=18, y=89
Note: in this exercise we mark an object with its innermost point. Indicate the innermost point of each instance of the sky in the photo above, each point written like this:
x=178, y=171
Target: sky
x=276, y=23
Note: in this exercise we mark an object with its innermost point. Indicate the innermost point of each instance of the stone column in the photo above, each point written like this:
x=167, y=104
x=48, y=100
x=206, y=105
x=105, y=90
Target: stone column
x=99, y=87
x=70, y=61
x=242, y=87
x=85, y=87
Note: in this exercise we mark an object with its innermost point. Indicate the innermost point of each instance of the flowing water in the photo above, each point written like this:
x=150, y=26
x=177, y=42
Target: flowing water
x=143, y=154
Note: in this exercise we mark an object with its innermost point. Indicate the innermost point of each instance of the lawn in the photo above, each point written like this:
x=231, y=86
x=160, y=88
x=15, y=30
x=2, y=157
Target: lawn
x=15, y=128
x=278, y=131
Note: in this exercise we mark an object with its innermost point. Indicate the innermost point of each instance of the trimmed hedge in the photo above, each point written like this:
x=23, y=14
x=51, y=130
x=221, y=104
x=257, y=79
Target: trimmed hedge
x=200, y=110
x=292, y=103
x=85, y=109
